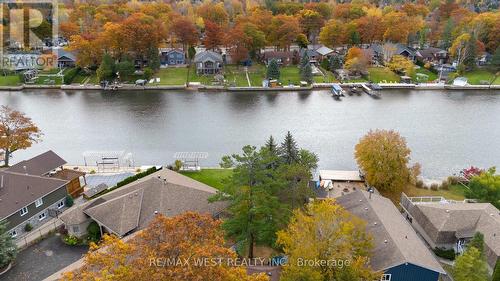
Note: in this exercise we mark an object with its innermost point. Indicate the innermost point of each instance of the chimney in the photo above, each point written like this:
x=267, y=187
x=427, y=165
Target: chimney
x=25, y=170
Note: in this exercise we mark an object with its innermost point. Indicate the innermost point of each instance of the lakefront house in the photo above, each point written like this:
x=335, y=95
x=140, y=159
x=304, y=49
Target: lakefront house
x=34, y=190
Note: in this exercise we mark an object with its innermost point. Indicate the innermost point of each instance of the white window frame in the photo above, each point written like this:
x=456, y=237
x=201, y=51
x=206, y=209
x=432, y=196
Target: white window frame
x=13, y=233
x=38, y=202
x=23, y=211
x=42, y=216
x=386, y=277
x=60, y=204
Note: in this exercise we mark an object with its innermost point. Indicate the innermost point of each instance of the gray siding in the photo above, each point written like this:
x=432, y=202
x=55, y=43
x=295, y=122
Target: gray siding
x=50, y=199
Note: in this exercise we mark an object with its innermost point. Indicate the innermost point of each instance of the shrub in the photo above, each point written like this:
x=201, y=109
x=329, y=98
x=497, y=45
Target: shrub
x=434, y=186
x=177, y=165
x=70, y=75
x=94, y=232
x=419, y=184
x=62, y=230
x=28, y=227
x=496, y=272
x=453, y=180
x=138, y=170
x=92, y=172
x=136, y=177
x=445, y=185
x=71, y=240
x=69, y=201
x=444, y=253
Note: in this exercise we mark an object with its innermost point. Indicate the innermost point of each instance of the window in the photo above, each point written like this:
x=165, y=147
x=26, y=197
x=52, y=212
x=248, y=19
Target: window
x=41, y=216
x=60, y=204
x=38, y=202
x=386, y=277
x=13, y=233
x=75, y=229
x=23, y=211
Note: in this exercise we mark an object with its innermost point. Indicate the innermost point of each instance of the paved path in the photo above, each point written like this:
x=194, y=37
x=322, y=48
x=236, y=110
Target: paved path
x=43, y=259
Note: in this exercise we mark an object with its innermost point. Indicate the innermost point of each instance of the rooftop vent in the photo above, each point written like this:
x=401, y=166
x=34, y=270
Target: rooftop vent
x=385, y=241
x=25, y=170
x=156, y=212
x=375, y=223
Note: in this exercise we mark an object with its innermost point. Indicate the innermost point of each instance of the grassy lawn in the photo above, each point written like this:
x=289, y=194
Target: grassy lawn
x=382, y=74
x=455, y=192
x=203, y=79
x=45, y=80
x=290, y=75
x=211, y=177
x=432, y=76
x=173, y=75
x=328, y=78
x=10, y=80
x=235, y=76
x=257, y=73
x=475, y=77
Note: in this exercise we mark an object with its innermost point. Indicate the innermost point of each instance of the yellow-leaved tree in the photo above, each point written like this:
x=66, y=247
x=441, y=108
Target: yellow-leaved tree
x=325, y=242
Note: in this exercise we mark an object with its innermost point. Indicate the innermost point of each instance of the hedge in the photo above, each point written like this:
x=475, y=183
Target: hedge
x=127, y=181
x=443, y=253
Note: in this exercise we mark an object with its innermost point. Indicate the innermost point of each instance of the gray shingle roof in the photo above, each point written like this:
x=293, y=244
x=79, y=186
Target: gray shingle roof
x=39, y=165
x=133, y=206
x=395, y=241
x=207, y=56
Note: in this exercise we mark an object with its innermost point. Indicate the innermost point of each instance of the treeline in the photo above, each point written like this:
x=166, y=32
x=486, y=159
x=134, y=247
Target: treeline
x=136, y=30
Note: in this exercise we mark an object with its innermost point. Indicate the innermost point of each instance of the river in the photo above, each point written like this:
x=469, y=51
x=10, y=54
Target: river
x=446, y=130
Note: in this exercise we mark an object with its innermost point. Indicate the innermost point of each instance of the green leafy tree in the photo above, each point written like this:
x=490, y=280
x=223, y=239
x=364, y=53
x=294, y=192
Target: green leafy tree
x=384, y=156
x=477, y=242
x=471, y=54
x=8, y=250
x=148, y=73
x=471, y=265
x=106, y=69
x=485, y=187
x=496, y=272
x=302, y=41
x=306, y=73
x=446, y=38
x=273, y=70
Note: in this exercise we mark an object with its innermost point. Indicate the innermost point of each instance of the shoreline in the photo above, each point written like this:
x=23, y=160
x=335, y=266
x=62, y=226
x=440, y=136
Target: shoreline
x=200, y=88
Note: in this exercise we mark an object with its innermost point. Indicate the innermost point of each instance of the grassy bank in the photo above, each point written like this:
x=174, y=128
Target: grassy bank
x=382, y=74
x=211, y=177
x=173, y=75
x=475, y=77
x=455, y=192
x=10, y=80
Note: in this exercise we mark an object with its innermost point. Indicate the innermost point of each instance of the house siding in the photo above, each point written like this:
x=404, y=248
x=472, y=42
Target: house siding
x=17, y=222
x=411, y=272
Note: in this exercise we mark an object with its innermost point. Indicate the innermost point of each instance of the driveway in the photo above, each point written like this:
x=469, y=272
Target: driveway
x=43, y=259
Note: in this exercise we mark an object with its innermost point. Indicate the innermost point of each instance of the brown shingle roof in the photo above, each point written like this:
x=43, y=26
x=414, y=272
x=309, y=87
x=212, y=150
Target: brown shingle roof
x=395, y=241
x=38, y=165
x=20, y=190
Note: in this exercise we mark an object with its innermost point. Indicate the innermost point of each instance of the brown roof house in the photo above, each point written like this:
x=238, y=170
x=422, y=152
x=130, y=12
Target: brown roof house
x=398, y=251
x=31, y=192
x=451, y=224
x=133, y=206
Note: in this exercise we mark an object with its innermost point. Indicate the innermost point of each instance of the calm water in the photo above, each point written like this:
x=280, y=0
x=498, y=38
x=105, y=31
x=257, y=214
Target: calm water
x=445, y=130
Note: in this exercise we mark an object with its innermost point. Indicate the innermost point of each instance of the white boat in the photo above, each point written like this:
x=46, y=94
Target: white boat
x=337, y=91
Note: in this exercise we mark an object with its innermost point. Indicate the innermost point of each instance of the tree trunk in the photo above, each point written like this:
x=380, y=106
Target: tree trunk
x=7, y=156
x=250, y=247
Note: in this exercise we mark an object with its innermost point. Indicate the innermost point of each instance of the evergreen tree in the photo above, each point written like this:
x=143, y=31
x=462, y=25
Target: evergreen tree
x=125, y=68
x=191, y=53
x=306, y=73
x=303, y=61
x=335, y=63
x=354, y=38
x=495, y=60
x=106, y=69
x=471, y=54
x=446, y=38
x=289, y=149
x=273, y=70
x=271, y=145
x=471, y=265
x=8, y=249
x=153, y=59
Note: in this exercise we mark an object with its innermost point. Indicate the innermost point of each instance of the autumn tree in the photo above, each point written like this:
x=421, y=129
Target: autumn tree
x=239, y=43
x=184, y=31
x=356, y=61
x=284, y=31
x=188, y=237
x=384, y=158
x=215, y=13
x=214, y=35
x=401, y=64
x=16, y=132
x=311, y=23
x=326, y=231
x=371, y=26
x=332, y=34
